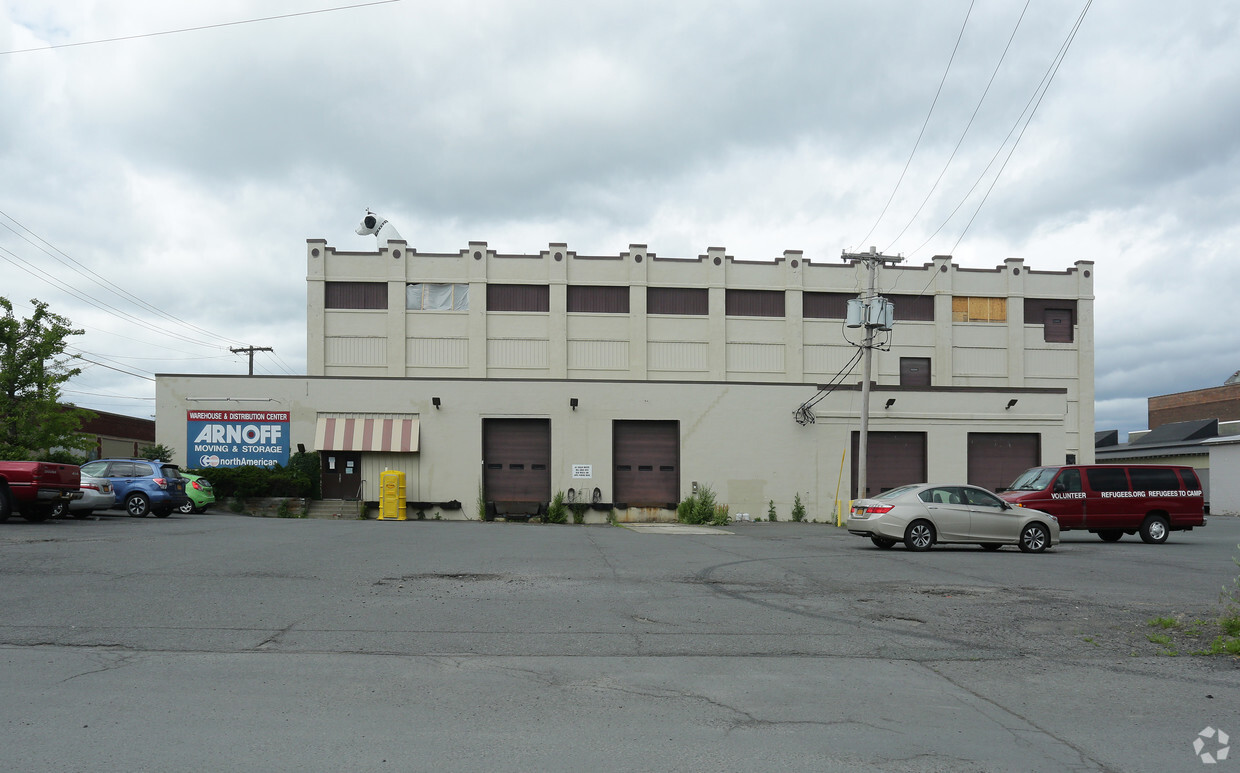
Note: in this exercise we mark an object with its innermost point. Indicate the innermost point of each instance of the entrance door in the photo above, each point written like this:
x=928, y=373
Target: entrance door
x=516, y=460
x=342, y=474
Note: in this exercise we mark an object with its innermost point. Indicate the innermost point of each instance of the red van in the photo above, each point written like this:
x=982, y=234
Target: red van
x=1112, y=500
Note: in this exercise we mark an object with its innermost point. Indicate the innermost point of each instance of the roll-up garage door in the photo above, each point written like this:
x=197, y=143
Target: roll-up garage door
x=996, y=458
x=646, y=463
x=894, y=459
x=516, y=460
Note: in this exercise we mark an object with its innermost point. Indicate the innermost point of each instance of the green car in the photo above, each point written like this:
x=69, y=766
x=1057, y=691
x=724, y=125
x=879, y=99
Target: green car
x=201, y=496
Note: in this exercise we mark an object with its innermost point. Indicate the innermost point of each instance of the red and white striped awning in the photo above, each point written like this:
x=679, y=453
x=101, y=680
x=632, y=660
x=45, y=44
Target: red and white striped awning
x=397, y=434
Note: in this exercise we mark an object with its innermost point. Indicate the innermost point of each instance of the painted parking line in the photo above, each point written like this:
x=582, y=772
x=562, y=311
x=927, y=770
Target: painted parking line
x=672, y=528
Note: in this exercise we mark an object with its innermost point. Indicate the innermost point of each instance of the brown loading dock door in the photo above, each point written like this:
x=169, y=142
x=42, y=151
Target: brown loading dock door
x=646, y=461
x=516, y=463
x=996, y=458
x=894, y=459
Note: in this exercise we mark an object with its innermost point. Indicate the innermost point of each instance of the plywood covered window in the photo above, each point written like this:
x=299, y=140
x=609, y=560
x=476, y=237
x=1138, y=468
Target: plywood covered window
x=978, y=309
x=677, y=300
x=754, y=303
x=598, y=299
x=355, y=295
x=518, y=298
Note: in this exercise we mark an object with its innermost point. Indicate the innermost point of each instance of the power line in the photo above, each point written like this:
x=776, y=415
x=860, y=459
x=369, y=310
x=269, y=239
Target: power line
x=967, y=126
x=924, y=124
x=193, y=29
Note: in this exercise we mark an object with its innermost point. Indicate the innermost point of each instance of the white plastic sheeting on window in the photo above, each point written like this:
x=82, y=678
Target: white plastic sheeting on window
x=429, y=296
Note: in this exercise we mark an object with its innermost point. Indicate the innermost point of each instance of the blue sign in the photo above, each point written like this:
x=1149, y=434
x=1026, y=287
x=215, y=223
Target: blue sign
x=237, y=438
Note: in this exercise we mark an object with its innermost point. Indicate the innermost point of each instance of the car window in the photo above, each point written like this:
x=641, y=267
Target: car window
x=120, y=470
x=170, y=471
x=1190, y=480
x=943, y=495
x=1035, y=479
x=1153, y=479
x=895, y=492
x=94, y=469
x=142, y=469
x=1107, y=478
x=977, y=496
x=1069, y=480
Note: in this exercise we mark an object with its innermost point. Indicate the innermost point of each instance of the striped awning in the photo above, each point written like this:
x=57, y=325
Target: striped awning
x=397, y=434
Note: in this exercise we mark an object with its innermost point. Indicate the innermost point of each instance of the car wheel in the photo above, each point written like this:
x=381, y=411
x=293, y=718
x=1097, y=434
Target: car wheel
x=187, y=507
x=883, y=542
x=1034, y=538
x=163, y=512
x=138, y=505
x=1110, y=535
x=991, y=545
x=1154, y=530
x=60, y=509
x=919, y=535
x=81, y=515
x=6, y=507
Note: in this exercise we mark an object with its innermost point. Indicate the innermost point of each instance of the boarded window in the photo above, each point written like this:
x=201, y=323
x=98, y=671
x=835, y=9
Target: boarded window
x=597, y=299
x=914, y=371
x=428, y=296
x=355, y=295
x=913, y=308
x=825, y=305
x=978, y=309
x=677, y=300
x=518, y=298
x=754, y=303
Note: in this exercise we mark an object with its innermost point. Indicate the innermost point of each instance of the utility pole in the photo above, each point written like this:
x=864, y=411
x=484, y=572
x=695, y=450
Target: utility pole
x=872, y=260
x=250, y=350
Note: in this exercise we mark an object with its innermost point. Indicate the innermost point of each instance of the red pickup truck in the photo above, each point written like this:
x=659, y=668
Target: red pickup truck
x=35, y=488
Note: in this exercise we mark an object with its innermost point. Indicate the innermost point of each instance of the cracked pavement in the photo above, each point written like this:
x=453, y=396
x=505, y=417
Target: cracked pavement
x=231, y=643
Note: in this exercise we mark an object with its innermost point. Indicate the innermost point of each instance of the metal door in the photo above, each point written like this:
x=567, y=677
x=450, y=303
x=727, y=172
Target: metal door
x=516, y=460
x=342, y=474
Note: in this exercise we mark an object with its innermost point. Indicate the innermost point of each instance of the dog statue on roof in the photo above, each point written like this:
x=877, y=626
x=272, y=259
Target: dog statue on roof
x=383, y=230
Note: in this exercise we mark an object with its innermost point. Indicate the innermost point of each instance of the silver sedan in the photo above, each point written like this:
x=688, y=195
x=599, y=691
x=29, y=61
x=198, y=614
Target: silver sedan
x=922, y=514
x=97, y=494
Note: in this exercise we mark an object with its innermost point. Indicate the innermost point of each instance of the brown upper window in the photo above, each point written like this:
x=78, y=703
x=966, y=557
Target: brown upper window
x=598, y=299
x=355, y=295
x=913, y=308
x=825, y=305
x=677, y=300
x=518, y=298
x=754, y=303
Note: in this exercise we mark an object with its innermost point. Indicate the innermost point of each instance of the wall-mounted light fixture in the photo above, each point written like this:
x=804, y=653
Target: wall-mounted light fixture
x=1010, y=404
x=572, y=403
x=890, y=402
x=435, y=402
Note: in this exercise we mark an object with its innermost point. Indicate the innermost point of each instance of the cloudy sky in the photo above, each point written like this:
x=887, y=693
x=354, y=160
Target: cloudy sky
x=164, y=163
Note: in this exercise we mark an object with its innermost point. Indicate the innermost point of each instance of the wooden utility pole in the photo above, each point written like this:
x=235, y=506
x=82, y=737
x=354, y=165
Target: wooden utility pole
x=250, y=350
x=872, y=260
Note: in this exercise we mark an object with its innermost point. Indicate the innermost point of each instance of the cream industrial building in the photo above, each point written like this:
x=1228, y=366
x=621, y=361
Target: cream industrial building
x=629, y=380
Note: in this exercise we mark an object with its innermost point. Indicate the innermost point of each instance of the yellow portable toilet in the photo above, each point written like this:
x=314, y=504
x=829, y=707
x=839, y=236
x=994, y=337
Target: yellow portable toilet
x=392, y=495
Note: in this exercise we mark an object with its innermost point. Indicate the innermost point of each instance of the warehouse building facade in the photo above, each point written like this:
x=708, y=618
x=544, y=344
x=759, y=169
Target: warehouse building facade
x=630, y=381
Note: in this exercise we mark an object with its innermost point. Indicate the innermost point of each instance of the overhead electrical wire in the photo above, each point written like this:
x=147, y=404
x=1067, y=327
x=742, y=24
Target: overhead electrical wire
x=198, y=28
x=924, y=123
x=976, y=109
x=1026, y=116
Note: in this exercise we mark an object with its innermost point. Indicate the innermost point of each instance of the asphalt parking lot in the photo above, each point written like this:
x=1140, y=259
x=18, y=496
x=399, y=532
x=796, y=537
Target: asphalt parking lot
x=225, y=642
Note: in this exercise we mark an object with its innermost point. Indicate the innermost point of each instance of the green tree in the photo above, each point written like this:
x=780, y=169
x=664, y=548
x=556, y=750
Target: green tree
x=33, y=365
x=157, y=451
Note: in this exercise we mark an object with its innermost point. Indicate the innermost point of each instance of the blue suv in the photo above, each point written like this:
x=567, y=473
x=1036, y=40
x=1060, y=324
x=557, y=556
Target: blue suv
x=142, y=485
